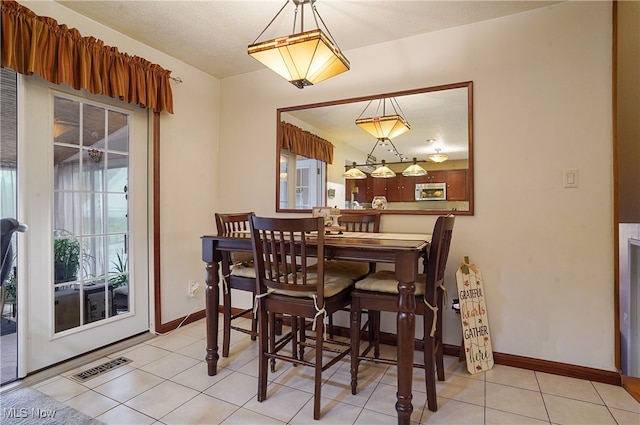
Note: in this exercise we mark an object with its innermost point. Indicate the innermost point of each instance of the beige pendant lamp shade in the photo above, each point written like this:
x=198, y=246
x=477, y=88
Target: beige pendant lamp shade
x=354, y=173
x=381, y=125
x=414, y=170
x=438, y=157
x=304, y=58
x=386, y=127
x=383, y=172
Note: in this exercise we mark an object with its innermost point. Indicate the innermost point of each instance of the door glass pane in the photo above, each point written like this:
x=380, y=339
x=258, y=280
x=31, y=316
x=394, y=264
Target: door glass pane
x=66, y=121
x=93, y=126
x=91, y=214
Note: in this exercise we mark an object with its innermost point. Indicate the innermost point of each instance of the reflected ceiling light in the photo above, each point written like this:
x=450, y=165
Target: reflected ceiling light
x=61, y=127
x=304, y=58
x=414, y=170
x=438, y=157
x=354, y=173
x=381, y=125
x=390, y=148
x=383, y=172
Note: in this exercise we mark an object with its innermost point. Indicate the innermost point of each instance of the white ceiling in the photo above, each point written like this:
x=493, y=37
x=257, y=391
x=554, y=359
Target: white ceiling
x=213, y=35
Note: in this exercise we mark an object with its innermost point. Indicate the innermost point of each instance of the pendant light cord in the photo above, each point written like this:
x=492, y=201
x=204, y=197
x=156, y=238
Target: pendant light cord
x=271, y=22
x=316, y=15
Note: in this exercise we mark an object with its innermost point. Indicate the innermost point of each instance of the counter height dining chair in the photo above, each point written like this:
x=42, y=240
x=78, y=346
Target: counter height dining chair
x=306, y=296
x=356, y=270
x=379, y=292
x=237, y=273
x=366, y=223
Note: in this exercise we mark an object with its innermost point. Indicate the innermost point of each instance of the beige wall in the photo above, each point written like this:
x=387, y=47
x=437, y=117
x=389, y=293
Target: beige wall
x=189, y=146
x=542, y=99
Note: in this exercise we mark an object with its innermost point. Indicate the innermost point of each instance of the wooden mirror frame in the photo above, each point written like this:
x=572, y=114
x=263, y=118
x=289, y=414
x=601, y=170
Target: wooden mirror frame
x=399, y=94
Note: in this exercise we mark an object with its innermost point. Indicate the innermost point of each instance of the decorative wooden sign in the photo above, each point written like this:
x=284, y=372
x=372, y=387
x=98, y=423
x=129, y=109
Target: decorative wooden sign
x=473, y=314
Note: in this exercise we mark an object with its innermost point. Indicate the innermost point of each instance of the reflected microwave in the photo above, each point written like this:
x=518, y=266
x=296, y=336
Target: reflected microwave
x=431, y=191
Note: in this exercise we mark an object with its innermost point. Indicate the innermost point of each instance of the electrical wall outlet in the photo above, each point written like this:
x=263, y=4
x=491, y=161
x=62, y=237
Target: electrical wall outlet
x=192, y=288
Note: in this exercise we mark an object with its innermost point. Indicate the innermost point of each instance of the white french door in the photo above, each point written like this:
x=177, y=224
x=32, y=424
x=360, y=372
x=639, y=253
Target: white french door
x=84, y=191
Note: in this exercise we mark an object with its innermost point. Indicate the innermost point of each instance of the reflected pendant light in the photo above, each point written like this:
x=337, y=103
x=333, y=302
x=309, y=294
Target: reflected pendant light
x=383, y=172
x=414, y=170
x=305, y=58
x=354, y=173
x=438, y=157
x=384, y=126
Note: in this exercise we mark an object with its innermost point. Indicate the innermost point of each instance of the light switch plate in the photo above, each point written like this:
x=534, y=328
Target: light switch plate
x=570, y=178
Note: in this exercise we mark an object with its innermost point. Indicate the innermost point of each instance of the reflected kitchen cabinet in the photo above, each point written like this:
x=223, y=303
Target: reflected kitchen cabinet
x=457, y=185
x=403, y=188
x=438, y=176
x=361, y=190
x=391, y=188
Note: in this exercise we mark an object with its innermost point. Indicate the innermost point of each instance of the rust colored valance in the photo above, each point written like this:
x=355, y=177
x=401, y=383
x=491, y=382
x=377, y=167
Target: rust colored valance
x=37, y=44
x=304, y=143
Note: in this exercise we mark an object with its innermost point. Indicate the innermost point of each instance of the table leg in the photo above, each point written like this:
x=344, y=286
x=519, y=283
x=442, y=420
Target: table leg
x=211, y=307
x=405, y=273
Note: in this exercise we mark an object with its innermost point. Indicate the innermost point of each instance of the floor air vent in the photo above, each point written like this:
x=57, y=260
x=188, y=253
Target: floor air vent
x=100, y=369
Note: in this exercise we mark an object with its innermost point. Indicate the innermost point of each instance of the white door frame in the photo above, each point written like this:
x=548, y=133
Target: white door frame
x=35, y=156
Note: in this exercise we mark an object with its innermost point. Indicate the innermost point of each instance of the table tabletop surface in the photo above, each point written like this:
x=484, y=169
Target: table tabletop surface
x=399, y=240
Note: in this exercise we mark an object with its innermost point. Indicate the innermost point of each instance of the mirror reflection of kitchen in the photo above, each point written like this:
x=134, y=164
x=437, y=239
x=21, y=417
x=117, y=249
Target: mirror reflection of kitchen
x=439, y=121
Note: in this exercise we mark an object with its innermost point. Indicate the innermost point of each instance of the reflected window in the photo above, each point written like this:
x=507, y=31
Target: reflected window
x=304, y=188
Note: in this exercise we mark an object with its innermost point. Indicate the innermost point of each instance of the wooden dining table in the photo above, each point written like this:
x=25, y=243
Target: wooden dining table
x=401, y=249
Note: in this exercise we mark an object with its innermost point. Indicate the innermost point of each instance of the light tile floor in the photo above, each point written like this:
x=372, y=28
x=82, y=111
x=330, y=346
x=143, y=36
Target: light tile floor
x=167, y=383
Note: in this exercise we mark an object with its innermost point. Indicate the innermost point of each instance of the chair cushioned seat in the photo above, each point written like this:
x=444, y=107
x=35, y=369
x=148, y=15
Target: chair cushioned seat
x=242, y=257
x=332, y=286
x=244, y=271
x=353, y=270
x=385, y=281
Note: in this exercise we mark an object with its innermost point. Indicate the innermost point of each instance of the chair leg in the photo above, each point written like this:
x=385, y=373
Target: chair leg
x=439, y=353
x=318, y=367
x=226, y=332
x=331, y=326
x=302, y=327
x=429, y=362
x=374, y=332
x=294, y=337
x=355, y=343
x=272, y=340
x=263, y=346
x=254, y=327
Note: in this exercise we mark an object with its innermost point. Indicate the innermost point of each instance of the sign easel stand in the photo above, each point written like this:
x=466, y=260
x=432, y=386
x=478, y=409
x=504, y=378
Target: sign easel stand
x=476, y=340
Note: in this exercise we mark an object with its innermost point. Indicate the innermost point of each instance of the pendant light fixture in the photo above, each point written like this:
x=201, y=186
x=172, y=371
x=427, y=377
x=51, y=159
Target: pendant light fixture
x=381, y=125
x=304, y=58
x=438, y=157
x=414, y=170
x=383, y=172
x=354, y=173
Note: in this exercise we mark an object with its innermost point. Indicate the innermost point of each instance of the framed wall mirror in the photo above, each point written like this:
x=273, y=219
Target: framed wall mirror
x=423, y=138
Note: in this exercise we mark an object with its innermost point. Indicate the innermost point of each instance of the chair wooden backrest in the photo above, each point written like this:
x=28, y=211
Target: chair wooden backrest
x=369, y=223
x=282, y=253
x=235, y=222
x=229, y=223
x=439, y=250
